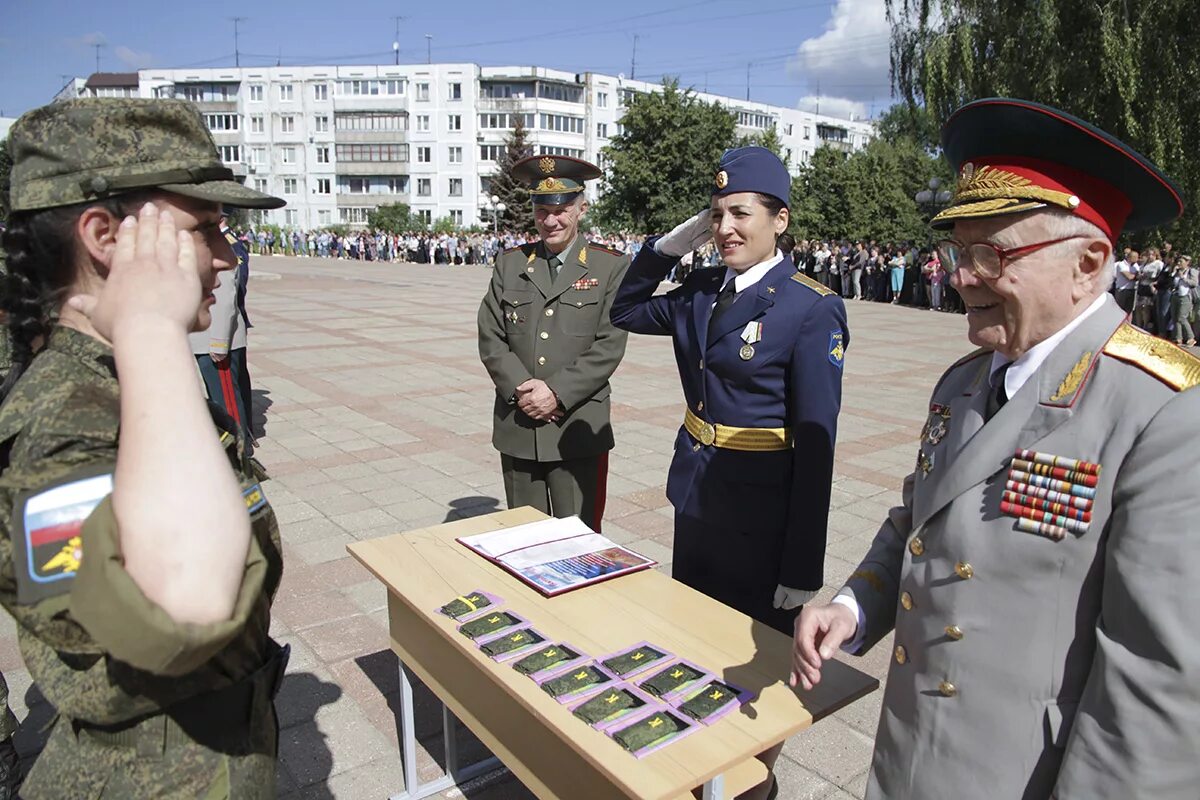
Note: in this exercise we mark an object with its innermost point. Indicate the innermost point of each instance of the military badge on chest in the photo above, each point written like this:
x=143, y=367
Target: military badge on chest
x=1050, y=495
x=937, y=425
x=751, y=335
x=583, y=284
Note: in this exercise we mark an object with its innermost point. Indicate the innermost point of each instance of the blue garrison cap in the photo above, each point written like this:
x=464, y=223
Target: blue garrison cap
x=753, y=169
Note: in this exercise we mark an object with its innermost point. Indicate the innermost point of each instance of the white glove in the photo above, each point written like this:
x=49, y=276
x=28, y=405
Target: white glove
x=686, y=236
x=788, y=598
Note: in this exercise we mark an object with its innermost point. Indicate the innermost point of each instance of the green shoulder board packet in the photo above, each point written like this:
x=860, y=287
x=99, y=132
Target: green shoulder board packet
x=467, y=604
x=608, y=705
x=489, y=624
x=575, y=681
x=710, y=700
x=515, y=640
x=672, y=679
x=634, y=660
x=546, y=658
x=650, y=730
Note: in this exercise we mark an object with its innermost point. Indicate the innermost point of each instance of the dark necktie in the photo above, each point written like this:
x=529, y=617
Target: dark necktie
x=997, y=395
x=724, y=300
x=555, y=263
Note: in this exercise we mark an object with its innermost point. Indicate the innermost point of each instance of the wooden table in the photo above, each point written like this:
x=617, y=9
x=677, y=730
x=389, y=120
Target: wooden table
x=554, y=754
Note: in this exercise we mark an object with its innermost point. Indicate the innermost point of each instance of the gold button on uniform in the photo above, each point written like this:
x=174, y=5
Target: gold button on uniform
x=906, y=601
x=901, y=654
x=549, y=312
x=954, y=632
x=541, y=360
x=947, y=689
x=916, y=546
x=529, y=269
x=579, y=303
x=544, y=335
x=964, y=570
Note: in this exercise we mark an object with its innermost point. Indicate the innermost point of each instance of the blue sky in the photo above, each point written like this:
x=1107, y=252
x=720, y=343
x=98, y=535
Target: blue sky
x=797, y=50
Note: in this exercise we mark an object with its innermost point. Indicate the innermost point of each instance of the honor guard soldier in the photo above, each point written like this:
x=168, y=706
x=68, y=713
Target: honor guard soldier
x=549, y=347
x=138, y=554
x=760, y=348
x=1041, y=572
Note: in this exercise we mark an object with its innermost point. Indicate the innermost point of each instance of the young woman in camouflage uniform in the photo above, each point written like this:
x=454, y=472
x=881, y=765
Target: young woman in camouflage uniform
x=137, y=552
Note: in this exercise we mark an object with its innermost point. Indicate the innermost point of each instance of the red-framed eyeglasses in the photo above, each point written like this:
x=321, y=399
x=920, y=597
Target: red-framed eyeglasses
x=986, y=259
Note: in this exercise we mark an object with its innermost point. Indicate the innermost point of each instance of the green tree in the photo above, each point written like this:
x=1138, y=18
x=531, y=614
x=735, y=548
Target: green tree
x=518, y=211
x=660, y=167
x=768, y=139
x=5, y=172
x=394, y=218
x=913, y=123
x=1128, y=66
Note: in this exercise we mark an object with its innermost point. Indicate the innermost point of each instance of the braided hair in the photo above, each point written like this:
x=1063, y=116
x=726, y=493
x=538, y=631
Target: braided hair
x=40, y=251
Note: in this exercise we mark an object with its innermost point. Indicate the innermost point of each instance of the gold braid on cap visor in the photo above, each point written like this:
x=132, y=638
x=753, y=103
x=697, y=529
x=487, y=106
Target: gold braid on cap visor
x=987, y=190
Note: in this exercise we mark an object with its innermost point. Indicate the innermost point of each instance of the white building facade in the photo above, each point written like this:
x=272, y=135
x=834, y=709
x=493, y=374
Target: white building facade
x=338, y=141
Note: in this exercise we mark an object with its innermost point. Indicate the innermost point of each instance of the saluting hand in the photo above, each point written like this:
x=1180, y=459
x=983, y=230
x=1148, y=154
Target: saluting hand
x=819, y=632
x=686, y=236
x=153, y=275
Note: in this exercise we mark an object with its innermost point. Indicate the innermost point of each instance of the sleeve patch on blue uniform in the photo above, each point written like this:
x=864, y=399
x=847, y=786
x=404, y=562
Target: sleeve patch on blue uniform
x=255, y=499
x=837, y=351
x=49, y=545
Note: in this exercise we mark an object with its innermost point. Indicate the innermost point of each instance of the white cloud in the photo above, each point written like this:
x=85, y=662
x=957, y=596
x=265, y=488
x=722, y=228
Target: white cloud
x=846, y=66
x=132, y=58
x=842, y=107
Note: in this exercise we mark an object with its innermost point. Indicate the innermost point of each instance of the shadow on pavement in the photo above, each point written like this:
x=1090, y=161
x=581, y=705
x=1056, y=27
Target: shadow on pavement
x=260, y=402
x=465, y=507
x=302, y=747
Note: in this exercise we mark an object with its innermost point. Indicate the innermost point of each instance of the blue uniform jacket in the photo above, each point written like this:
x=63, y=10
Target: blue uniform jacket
x=793, y=380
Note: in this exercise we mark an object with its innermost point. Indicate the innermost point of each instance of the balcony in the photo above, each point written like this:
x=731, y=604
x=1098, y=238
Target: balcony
x=372, y=168
x=370, y=137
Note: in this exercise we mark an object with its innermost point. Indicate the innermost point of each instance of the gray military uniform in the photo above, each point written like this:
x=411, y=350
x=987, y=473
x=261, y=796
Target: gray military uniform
x=557, y=329
x=1030, y=667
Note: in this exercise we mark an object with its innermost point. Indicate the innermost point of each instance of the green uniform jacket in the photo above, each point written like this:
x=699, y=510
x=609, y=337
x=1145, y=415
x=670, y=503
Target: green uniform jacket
x=109, y=659
x=558, y=331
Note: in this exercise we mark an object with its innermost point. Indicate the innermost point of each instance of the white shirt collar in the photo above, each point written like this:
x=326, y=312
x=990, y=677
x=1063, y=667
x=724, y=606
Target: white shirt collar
x=1024, y=367
x=749, y=277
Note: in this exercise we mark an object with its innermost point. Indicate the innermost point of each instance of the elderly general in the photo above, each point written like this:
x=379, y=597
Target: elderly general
x=1041, y=571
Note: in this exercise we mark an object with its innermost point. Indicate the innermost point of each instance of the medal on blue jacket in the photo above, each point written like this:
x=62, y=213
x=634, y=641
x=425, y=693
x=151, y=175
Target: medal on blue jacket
x=750, y=334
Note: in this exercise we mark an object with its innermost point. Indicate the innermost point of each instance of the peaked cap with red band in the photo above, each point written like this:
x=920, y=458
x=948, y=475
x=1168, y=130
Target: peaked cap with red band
x=1013, y=156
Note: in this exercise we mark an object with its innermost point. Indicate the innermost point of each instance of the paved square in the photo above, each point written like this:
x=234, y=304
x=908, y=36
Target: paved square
x=378, y=419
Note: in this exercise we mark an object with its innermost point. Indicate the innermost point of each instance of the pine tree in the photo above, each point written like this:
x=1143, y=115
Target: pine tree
x=518, y=212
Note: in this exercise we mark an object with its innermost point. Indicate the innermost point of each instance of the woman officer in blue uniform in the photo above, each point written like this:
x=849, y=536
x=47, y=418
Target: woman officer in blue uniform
x=760, y=348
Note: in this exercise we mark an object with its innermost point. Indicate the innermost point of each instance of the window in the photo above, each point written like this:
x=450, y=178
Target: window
x=787, y=154
x=192, y=92
x=422, y=122
x=425, y=215
x=485, y=184
x=287, y=124
x=602, y=99
x=320, y=91
x=353, y=216
x=456, y=187
x=260, y=185
x=230, y=153
x=289, y=185
x=455, y=92
x=359, y=186
x=560, y=151
x=397, y=185
x=423, y=92
x=424, y=155
x=367, y=88
x=323, y=186
x=602, y=130
x=456, y=217
x=291, y=217
x=507, y=90
x=256, y=124
x=321, y=123
x=218, y=123
x=424, y=187
x=322, y=155
x=807, y=132
x=454, y=122
x=371, y=152
x=561, y=122
x=557, y=91
x=787, y=130
x=258, y=156
x=505, y=120
x=370, y=121
x=749, y=119
x=256, y=92
x=285, y=91
x=455, y=154
x=287, y=155
x=491, y=152
x=323, y=216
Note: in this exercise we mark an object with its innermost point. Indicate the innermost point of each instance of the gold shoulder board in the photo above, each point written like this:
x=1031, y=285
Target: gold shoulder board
x=816, y=286
x=1172, y=365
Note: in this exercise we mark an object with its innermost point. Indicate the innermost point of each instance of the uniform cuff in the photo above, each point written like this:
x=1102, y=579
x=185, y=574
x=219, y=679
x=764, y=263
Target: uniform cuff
x=130, y=627
x=860, y=633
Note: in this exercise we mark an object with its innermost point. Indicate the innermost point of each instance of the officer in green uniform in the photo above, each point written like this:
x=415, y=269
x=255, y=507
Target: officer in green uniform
x=138, y=554
x=550, y=348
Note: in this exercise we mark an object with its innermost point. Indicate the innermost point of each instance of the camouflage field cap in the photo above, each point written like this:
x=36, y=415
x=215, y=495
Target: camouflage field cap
x=94, y=148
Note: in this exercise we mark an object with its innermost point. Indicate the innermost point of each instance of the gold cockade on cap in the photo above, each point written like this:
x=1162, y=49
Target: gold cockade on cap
x=551, y=185
x=546, y=165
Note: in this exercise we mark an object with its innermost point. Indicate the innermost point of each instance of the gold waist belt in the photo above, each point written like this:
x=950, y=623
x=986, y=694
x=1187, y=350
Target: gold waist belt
x=755, y=440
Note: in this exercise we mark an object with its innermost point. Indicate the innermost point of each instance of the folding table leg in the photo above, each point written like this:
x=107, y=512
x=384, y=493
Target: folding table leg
x=713, y=789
